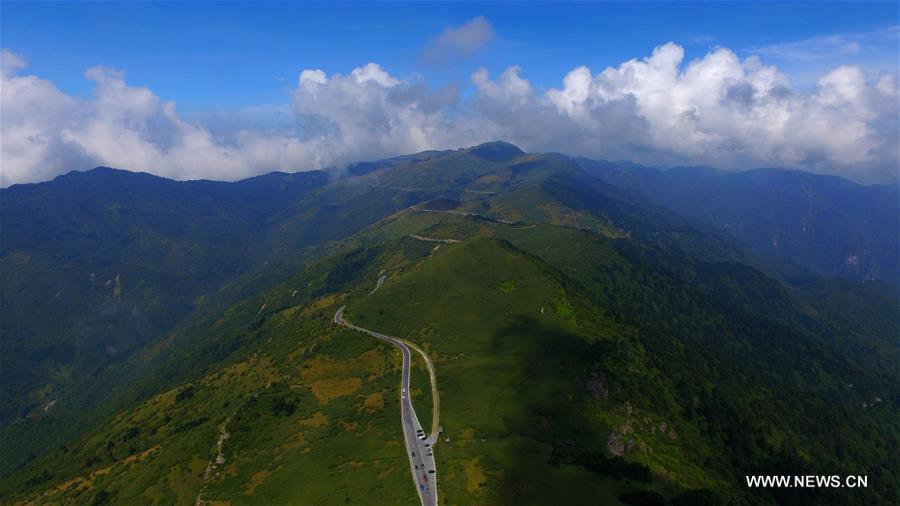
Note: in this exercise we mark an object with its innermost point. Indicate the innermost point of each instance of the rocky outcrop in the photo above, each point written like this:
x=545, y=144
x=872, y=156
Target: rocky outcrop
x=616, y=444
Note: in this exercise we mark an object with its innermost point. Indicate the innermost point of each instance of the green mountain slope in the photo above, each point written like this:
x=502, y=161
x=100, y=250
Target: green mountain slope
x=589, y=348
x=718, y=376
x=824, y=223
x=97, y=268
x=533, y=401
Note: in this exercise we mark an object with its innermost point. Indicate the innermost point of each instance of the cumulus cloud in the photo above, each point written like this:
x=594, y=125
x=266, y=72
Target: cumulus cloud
x=44, y=132
x=717, y=110
x=371, y=114
x=458, y=42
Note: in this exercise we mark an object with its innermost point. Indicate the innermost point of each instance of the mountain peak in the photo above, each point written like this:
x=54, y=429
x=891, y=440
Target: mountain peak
x=105, y=172
x=495, y=151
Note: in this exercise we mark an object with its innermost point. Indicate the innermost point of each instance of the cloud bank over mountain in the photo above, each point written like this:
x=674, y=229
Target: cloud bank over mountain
x=717, y=110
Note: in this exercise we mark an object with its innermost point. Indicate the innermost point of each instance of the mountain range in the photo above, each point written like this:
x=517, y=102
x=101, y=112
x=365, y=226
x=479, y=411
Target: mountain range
x=602, y=333
x=829, y=225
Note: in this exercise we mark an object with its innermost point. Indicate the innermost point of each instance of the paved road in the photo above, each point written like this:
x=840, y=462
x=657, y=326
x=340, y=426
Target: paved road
x=461, y=213
x=434, y=239
x=435, y=397
x=418, y=449
x=378, y=284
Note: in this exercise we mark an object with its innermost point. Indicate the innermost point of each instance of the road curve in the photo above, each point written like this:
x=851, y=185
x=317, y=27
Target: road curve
x=378, y=284
x=418, y=448
x=462, y=213
x=434, y=239
x=435, y=397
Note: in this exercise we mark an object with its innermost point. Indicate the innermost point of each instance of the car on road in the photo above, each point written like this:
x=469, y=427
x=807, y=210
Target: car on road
x=431, y=471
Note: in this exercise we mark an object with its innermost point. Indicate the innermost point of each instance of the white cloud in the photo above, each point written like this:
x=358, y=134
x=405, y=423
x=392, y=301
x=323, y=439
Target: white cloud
x=717, y=110
x=371, y=114
x=813, y=48
x=44, y=132
x=828, y=48
x=459, y=42
x=806, y=60
x=10, y=62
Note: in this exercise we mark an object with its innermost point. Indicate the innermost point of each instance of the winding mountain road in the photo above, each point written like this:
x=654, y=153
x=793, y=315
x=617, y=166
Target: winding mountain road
x=418, y=445
x=378, y=284
x=462, y=213
x=434, y=239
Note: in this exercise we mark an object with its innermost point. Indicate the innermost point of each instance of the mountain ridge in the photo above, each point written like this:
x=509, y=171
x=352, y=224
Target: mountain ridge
x=828, y=224
x=672, y=320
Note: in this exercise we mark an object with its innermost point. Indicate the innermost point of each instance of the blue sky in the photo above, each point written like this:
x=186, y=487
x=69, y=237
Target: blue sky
x=212, y=55
x=230, y=90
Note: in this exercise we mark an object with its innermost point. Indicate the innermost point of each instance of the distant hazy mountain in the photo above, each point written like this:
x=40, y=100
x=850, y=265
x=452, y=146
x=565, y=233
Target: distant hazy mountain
x=173, y=342
x=824, y=223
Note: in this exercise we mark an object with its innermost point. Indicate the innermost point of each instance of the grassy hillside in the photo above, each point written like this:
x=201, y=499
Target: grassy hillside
x=513, y=372
x=315, y=405
x=588, y=347
x=507, y=373
x=547, y=368
x=97, y=268
x=303, y=403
